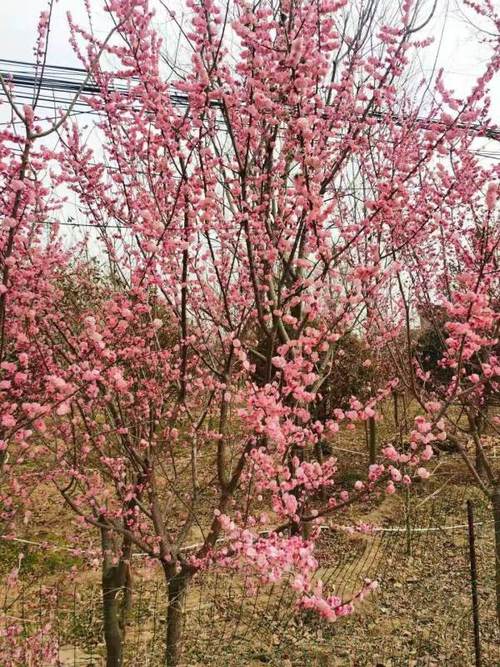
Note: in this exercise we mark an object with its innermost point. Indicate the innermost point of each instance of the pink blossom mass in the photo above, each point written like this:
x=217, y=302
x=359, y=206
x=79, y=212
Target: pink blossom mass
x=176, y=371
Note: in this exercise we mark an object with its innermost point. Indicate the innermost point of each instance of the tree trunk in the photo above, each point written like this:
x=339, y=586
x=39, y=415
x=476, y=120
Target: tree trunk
x=116, y=596
x=479, y=461
x=372, y=439
x=177, y=583
x=495, y=501
x=318, y=451
x=396, y=409
x=475, y=427
x=405, y=412
x=112, y=630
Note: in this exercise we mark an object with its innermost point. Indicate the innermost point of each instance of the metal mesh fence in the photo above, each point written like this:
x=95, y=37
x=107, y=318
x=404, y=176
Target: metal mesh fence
x=421, y=613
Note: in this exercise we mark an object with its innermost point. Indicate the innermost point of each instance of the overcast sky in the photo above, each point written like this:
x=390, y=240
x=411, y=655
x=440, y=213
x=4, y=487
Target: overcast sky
x=456, y=46
x=459, y=53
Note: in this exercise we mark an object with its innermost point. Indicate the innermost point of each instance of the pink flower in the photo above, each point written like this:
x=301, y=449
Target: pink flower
x=374, y=472
x=395, y=474
x=390, y=453
x=299, y=583
x=8, y=421
x=491, y=196
x=325, y=610
x=279, y=362
x=427, y=453
x=290, y=503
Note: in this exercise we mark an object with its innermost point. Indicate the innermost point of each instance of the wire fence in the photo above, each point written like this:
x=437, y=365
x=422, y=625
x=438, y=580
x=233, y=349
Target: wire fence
x=421, y=613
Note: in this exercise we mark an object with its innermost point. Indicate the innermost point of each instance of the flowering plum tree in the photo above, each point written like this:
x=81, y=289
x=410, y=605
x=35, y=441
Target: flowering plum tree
x=251, y=211
x=458, y=289
x=451, y=280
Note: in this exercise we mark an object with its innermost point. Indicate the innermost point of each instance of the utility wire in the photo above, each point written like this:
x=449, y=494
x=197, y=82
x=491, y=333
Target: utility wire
x=24, y=75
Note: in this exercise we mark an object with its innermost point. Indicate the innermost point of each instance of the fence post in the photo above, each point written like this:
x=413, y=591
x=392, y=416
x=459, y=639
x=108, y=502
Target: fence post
x=473, y=582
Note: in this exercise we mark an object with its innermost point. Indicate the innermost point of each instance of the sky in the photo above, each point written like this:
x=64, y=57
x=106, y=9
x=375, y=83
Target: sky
x=17, y=29
x=459, y=53
x=456, y=49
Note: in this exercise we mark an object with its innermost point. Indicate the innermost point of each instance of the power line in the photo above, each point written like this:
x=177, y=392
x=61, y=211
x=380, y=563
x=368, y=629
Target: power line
x=26, y=75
